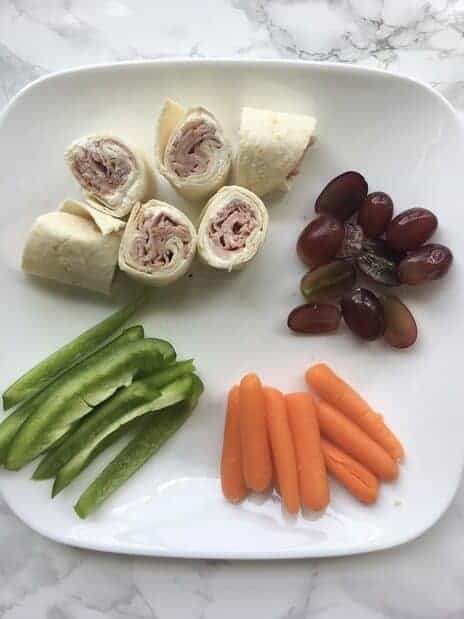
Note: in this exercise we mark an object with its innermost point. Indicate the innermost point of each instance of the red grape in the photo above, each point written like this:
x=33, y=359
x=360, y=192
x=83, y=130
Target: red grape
x=375, y=213
x=410, y=229
x=328, y=282
x=400, y=326
x=342, y=196
x=363, y=313
x=320, y=240
x=314, y=318
x=425, y=264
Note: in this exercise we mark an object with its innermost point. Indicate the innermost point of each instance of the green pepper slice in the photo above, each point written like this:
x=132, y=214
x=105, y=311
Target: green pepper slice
x=170, y=394
x=153, y=434
x=123, y=406
x=57, y=363
x=77, y=392
x=11, y=425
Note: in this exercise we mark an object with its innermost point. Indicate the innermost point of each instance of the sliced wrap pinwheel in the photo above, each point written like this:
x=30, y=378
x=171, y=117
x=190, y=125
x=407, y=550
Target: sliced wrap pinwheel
x=158, y=245
x=271, y=148
x=191, y=150
x=232, y=229
x=75, y=245
x=113, y=175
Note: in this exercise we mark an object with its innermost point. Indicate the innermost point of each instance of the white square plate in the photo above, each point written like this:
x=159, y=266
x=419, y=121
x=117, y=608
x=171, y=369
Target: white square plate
x=407, y=141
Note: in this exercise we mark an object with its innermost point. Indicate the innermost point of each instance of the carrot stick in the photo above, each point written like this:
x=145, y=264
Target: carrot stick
x=312, y=476
x=275, y=479
x=233, y=482
x=256, y=452
x=356, y=443
x=283, y=452
x=276, y=485
x=354, y=476
x=339, y=394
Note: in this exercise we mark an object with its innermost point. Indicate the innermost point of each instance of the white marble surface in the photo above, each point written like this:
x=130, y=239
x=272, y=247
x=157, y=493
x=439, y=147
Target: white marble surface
x=423, y=580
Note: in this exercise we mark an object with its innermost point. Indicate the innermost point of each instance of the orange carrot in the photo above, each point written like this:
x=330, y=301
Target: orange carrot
x=276, y=485
x=233, y=483
x=275, y=478
x=354, y=476
x=356, y=443
x=283, y=452
x=256, y=452
x=312, y=475
x=339, y=394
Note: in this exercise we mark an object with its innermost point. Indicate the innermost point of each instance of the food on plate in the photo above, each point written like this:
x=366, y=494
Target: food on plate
x=109, y=394
x=328, y=282
x=271, y=148
x=103, y=423
x=283, y=450
x=75, y=245
x=77, y=392
x=343, y=397
x=275, y=478
x=315, y=318
x=192, y=152
x=232, y=479
x=142, y=396
x=158, y=244
x=155, y=431
x=112, y=174
x=338, y=429
x=363, y=313
x=400, y=326
x=352, y=245
x=312, y=475
x=50, y=368
x=232, y=229
x=67, y=476
x=10, y=426
x=256, y=452
x=410, y=229
x=425, y=264
x=339, y=434
x=382, y=261
x=320, y=241
x=358, y=480
x=375, y=213
x=378, y=262
x=389, y=251
x=342, y=196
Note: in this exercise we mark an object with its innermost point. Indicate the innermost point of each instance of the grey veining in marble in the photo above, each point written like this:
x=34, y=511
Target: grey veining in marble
x=423, y=580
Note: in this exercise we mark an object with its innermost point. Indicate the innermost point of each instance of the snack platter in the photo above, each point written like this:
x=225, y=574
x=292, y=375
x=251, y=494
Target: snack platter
x=238, y=286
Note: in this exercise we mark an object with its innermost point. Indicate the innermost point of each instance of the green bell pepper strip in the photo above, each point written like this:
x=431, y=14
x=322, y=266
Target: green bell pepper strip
x=77, y=392
x=57, y=363
x=152, y=435
x=140, y=395
x=11, y=425
x=170, y=394
x=127, y=430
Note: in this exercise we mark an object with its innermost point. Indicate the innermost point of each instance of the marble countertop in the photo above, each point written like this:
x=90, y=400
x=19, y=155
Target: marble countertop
x=424, y=579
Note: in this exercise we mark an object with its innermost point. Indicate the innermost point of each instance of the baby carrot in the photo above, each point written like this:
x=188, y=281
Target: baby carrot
x=276, y=483
x=354, y=476
x=312, y=476
x=256, y=452
x=275, y=479
x=356, y=443
x=233, y=482
x=339, y=394
x=283, y=452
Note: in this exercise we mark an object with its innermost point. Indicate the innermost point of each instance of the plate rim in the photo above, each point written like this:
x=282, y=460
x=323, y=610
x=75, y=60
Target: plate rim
x=329, y=66
x=300, y=553
x=120, y=548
